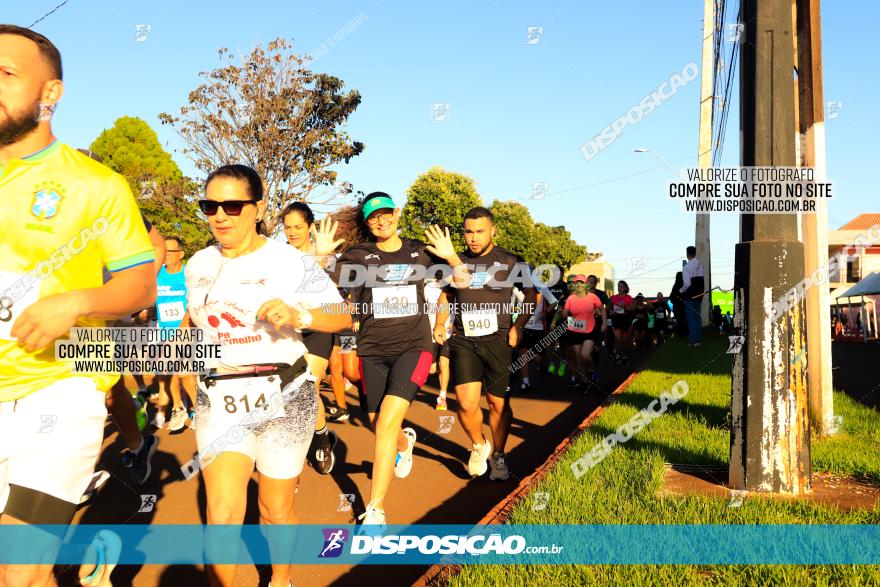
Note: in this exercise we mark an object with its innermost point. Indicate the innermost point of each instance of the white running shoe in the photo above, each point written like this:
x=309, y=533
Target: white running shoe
x=499, y=468
x=403, y=461
x=107, y=547
x=178, y=419
x=477, y=464
x=441, y=402
x=159, y=420
x=372, y=517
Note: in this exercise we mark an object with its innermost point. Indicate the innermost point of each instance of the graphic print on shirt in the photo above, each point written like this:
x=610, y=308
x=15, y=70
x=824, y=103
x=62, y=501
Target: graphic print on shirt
x=226, y=293
x=485, y=307
x=389, y=304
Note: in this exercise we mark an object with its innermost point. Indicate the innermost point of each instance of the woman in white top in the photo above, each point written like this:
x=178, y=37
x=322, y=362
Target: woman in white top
x=298, y=222
x=257, y=406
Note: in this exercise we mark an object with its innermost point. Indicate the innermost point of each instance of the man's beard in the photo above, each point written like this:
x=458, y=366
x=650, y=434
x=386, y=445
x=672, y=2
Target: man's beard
x=483, y=250
x=14, y=128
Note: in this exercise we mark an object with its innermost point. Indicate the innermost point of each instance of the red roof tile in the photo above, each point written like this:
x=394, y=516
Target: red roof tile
x=861, y=222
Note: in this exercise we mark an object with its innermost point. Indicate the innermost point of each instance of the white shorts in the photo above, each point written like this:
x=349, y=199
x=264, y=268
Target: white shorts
x=278, y=447
x=50, y=441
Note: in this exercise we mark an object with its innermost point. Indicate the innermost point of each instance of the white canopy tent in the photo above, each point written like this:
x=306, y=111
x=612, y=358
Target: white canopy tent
x=864, y=290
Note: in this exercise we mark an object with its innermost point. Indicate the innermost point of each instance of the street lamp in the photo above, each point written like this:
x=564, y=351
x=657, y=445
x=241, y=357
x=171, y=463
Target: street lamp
x=659, y=158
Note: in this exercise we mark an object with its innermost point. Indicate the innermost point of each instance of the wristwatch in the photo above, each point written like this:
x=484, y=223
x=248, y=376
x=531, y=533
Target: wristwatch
x=305, y=320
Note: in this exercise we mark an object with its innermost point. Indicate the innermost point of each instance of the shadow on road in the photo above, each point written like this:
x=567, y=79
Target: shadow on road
x=481, y=494
x=856, y=371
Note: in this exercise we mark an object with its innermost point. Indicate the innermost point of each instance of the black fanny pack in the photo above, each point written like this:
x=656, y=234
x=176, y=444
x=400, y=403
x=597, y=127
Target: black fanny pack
x=287, y=373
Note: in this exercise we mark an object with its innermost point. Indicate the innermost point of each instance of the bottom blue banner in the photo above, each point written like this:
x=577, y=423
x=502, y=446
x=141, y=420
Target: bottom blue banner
x=452, y=544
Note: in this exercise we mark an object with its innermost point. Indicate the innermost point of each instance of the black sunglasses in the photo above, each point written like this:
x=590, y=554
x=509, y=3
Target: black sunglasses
x=230, y=207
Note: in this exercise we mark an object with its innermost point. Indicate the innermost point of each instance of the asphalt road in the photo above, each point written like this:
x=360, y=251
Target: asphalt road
x=439, y=490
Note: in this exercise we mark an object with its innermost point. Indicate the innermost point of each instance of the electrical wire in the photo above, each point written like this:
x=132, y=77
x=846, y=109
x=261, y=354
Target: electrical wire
x=731, y=63
x=47, y=14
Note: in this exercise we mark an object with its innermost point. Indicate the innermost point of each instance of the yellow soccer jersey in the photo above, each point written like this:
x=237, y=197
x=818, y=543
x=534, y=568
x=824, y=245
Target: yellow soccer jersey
x=63, y=217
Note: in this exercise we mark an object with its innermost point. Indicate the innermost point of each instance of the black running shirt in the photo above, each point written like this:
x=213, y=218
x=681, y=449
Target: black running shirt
x=484, y=309
x=389, y=301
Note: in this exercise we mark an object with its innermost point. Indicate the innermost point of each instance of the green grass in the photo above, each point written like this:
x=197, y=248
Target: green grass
x=623, y=488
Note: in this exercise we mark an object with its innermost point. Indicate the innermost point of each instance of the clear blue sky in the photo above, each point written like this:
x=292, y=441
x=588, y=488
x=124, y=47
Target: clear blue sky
x=520, y=112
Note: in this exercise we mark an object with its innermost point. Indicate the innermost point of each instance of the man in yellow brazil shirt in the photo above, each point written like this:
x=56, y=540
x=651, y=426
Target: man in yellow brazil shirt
x=63, y=217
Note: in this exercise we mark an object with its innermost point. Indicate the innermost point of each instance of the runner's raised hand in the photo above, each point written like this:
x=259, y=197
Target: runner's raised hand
x=324, y=232
x=440, y=243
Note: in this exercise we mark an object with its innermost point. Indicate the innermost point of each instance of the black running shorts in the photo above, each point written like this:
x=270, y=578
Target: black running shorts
x=400, y=376
x=441, y=350
x=572, y=338
x=621, y=321
x=487, y=360
x=318, y=344
x=530, y=338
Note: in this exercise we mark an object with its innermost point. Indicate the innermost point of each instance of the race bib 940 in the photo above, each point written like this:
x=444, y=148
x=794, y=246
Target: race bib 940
x=479, y=323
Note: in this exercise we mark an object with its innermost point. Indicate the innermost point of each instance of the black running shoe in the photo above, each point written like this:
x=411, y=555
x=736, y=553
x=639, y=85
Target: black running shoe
x=335, y=414
x=140, y=465
x=324, y=457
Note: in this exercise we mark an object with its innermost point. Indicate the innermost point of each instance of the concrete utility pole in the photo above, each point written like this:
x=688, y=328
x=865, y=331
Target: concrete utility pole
x=704, y=151
x=770, y=435
x=814, y=227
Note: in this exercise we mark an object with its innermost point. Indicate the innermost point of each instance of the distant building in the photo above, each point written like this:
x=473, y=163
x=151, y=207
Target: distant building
x=863, y=262
x=851, y=270
x=601, y=269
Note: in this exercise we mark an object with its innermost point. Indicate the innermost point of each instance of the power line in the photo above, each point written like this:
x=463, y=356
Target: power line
x=598, y=183
x=48, y=13
x=721, y=131
x=719, y=27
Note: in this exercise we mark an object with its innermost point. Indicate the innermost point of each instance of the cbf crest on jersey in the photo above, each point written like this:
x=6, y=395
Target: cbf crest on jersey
x=46, y=201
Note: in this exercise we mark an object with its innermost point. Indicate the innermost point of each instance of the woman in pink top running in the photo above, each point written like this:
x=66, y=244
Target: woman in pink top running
x=621, y=318
x=583, y=331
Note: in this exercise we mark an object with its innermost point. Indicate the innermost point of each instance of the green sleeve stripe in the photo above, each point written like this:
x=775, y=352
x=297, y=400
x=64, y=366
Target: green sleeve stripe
x=44, y=152
x=128, y=262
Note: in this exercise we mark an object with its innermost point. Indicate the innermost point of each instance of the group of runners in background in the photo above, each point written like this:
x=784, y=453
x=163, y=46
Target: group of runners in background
x=285, y=314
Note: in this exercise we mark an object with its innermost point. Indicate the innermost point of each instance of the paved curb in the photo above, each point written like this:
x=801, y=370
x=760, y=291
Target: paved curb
x=437, y=573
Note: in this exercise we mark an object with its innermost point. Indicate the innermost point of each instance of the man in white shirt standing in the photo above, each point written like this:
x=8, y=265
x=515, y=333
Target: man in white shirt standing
x=692, y=292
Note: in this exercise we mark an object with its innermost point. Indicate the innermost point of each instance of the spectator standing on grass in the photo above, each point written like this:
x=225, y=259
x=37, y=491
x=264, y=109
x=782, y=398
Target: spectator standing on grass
x=675, y=298
x=692, y=287
x=716, y=318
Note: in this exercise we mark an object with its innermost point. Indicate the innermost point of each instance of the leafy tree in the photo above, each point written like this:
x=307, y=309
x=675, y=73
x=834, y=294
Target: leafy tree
x=274, y=114
x=438, y=197
x=537, y=243
x=130, y=147
x=173, y=209
x=166, y=197
x=515, y=228
x=555, y=246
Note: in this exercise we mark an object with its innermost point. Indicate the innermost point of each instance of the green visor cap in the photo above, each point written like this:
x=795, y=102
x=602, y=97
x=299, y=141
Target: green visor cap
x=377, y=204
